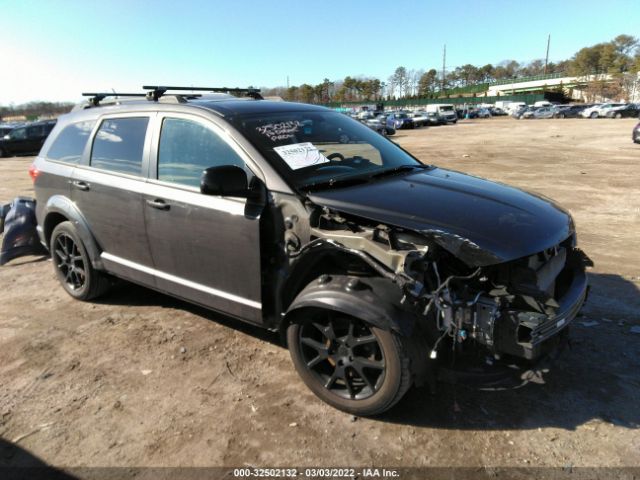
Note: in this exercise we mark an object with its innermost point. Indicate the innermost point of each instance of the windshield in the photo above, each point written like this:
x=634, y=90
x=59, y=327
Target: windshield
x=446, y=108
x=318, y=149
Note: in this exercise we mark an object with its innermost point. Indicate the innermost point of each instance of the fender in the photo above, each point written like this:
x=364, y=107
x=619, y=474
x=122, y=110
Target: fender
x=18, y=222
x=375, y=300
x=61, y=205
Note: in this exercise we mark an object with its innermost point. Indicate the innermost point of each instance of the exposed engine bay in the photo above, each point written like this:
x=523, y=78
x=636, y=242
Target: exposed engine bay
x=513, y=309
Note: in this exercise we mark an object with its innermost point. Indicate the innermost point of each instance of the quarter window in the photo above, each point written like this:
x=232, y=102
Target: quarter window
x=70, y=143
x=119, y=144
x=187, y=148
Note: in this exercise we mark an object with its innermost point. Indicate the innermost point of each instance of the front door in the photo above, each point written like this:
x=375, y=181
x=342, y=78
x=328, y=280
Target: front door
x=205, y=248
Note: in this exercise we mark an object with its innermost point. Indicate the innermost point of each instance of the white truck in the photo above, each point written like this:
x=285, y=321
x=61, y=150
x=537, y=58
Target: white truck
x=446, y=111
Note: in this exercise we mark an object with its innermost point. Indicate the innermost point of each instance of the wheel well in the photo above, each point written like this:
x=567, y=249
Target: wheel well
x=329, y=262
x=51, y=222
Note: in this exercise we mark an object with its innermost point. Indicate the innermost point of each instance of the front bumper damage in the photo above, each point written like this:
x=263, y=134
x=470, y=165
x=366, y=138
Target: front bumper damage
x=492, y=321
x=19, y=227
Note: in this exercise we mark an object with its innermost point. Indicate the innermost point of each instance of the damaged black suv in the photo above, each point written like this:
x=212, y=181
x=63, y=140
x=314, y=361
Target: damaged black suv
x=378, y=270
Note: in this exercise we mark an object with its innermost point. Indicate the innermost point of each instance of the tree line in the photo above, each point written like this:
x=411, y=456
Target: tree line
x=33, y=110
x=613, y=59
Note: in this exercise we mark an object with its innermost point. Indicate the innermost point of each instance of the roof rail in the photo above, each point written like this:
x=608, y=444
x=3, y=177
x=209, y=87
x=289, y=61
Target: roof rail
x=96, y=98
x=158, y=91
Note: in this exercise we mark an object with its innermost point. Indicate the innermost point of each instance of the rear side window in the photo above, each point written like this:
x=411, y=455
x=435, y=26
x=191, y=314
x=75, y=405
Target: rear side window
x=70, y=143
x=36, y=131
x=187, y=148
x=119, y=144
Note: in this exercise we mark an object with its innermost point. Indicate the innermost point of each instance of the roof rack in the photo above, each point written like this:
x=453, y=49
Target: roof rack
x=96, y=98
x=158, y=91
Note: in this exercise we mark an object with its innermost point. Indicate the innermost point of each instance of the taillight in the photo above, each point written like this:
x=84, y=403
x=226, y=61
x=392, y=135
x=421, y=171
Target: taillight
x=33, y=172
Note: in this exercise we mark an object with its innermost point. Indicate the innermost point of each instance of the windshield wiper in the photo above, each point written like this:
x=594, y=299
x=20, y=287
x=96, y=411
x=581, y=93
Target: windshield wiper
x=394, y=170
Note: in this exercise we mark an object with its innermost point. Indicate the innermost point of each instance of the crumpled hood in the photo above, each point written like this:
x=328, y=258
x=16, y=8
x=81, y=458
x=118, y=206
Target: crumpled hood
x=479, y=221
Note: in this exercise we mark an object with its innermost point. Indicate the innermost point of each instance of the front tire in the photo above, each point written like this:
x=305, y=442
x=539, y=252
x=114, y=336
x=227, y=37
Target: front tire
x=73, y=266
x=353, y=366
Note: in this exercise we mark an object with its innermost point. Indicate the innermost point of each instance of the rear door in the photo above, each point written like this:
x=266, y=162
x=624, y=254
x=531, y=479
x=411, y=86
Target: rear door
x=108, y=189
x=205, y=248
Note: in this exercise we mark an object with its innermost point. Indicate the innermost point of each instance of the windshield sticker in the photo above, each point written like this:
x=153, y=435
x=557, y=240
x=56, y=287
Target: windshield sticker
x=301, y=155
x=279, y=131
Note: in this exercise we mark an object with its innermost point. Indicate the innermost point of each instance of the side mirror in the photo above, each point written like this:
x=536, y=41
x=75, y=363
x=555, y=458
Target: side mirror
x=226, y=180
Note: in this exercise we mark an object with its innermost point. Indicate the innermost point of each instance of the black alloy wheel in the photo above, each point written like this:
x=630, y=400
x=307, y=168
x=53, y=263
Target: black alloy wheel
x=344, y=355
x=349, y=364
x=73, y=266
x=69, y=262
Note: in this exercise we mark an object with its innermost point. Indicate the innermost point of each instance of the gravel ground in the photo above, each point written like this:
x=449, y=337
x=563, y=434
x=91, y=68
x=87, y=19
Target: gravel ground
x=141, y=379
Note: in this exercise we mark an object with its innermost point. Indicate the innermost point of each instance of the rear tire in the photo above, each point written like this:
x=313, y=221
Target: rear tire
x=355, y=367
x=73, y=266
x=618, y=115
x=593, y=115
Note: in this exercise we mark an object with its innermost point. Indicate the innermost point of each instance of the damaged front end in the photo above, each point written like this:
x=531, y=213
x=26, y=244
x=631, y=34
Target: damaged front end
x=471, y=318
x=19, y=227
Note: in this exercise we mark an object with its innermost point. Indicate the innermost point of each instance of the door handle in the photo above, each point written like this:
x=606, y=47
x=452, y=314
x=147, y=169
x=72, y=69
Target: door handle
x=80, y=185
x=158, y=203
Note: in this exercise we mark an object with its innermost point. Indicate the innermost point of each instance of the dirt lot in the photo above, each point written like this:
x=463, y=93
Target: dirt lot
x=140, y=379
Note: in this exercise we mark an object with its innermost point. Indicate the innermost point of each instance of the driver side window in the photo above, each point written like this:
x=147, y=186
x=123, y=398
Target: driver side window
x=187, y=148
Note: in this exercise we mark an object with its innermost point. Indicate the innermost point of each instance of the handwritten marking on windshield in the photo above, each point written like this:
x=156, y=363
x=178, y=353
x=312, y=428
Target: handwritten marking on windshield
x=279, y=131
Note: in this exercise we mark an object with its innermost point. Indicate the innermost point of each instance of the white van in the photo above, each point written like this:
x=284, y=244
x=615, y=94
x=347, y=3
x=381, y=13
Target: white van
x=446, y=111
x=513, y=106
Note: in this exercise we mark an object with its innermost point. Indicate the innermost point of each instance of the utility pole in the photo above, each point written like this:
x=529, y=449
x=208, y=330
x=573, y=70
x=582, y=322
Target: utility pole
x=546, y=58
x=444, y=62
x=287, y=82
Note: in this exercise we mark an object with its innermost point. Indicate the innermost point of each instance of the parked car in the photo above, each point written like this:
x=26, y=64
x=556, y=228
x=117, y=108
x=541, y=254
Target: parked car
x=378, y=270
x=524, y=112
x=399, y=120
x=484, y=113
x=600, y=110
x=467, y=113
x=569, y=111
x=635, y=135
x=420, y=118
x=630, y=110
x=27, y=140
x=517, y=111
x=541, y=112
x=434, y=119
x=379, y=126
x=497, y=112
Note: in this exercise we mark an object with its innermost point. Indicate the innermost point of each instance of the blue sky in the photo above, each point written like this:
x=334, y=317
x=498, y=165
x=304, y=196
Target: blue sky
x=55, y=49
